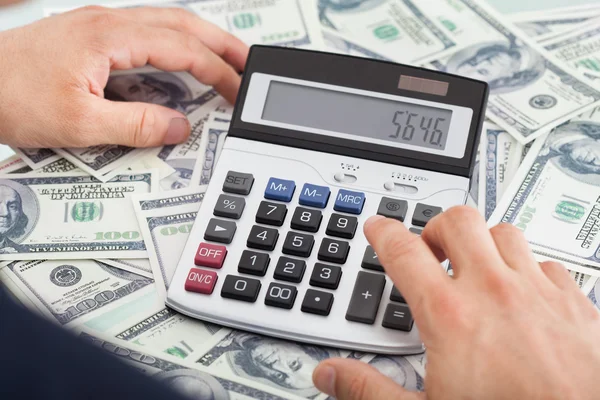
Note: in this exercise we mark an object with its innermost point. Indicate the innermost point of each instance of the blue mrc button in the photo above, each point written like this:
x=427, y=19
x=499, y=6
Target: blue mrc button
x=280, y=189
x=314, y=196
x=349, y=202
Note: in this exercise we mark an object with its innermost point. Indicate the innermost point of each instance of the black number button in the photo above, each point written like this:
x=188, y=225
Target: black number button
x=253, y=263
x=317, y=302
x=271, y=213
x=326, y=276
x=282, y=296
x=289, y=269
x=229, y=206
x=370, y=260
x=238, y=288
x=298, y=244
x=305, y=219
x=334, y=251
x=262, y=238
x=342, y=226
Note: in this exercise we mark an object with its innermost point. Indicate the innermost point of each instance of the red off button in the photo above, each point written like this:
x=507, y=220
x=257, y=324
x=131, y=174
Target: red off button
x=200, y=281
x=210, y=255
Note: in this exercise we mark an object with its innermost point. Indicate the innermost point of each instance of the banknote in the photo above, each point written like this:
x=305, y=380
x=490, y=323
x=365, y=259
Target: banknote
x=530, y=91
x=580, y=49
x=165, y=330
x=71, y=216
x=182, y=157
x=36, y=158
x=555, y=196
x=473, y=197
x=68, y=292
x=59, y=166
x=12, y=164
x=336, y=42
x=501, y=155
x=165, y=221
x=140, y=266
x=280, y=364
x=405, y=31
x=211, y=144
x=592, y=290
x=290, y=23
x=543, y=27
x=14, y=292
x=148, y=161
x=191, y=380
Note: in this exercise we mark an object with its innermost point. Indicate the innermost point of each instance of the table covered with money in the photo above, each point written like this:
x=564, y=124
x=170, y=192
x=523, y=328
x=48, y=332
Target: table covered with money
x=93, y=236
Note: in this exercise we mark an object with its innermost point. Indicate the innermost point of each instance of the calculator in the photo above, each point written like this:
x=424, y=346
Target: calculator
x=317, y=144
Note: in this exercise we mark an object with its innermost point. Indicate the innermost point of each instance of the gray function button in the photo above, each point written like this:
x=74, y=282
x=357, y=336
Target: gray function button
x=393, y=208
x=229, y=206
x=423, y=213
x=370, y=260
x=219, y=230
x=238, y=182
x=397, y=316
x=366, y=296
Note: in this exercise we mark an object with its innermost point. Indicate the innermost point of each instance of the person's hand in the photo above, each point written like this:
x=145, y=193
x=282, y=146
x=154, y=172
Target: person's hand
x=504, y=327
x=53, y=72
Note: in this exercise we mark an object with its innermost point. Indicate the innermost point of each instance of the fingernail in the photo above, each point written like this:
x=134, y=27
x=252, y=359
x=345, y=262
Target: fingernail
x=325, y=379
x=373, y=219
x=179, y=130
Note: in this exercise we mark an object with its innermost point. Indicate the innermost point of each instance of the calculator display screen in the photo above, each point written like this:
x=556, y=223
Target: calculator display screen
x=355, y=114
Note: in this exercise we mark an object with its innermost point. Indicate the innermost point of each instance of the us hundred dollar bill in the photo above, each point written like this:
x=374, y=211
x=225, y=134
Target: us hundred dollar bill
x=140, y=266
x=189, y=379
x=530, y=91
x=280, y=364
x=213, y=138
x=290, y=23
x=183, y=157
x=336, y=42
x=555, y=196
x=500, y=156
x=580, y=49
x=166, y=331
x=36, y=158
x=547, y=26
x=70, y=216
x=402, y=30
x=165, y=220
x=71, y=292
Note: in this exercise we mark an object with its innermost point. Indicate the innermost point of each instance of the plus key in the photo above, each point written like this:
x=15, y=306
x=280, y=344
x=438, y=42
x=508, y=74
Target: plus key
x=210, y=255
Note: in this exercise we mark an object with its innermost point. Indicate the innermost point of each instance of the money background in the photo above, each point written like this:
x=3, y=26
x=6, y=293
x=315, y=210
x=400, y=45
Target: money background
x=112, y=293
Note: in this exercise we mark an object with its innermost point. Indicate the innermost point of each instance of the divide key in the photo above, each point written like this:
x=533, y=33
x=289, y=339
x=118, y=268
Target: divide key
x=349, y=201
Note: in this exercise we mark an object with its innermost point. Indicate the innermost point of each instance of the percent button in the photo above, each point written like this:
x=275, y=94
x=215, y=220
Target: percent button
x=229, y=206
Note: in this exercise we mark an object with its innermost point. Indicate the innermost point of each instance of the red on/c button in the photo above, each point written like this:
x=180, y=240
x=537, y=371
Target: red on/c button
x=210, y=255
x=200, y=281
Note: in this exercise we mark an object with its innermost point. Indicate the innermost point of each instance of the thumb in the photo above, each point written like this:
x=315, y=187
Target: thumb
x=354, y=380
x=138, y=124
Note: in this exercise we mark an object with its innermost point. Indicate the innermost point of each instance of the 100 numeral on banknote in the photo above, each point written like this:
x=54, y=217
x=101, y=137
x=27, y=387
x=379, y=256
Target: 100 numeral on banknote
x=70, y=216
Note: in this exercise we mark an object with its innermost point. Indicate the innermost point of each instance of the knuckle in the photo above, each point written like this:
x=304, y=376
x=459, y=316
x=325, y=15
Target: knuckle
x=92, y=9
x=103, y=19
x=144, y=126
x=394, y=247
x=506, y=230
x=458, y=213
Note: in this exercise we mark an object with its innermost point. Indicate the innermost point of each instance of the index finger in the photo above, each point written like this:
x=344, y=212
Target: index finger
x=227, y=46
x=408, y=261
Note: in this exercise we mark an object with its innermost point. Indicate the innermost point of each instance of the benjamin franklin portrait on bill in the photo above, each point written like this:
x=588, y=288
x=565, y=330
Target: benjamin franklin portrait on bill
x=14, y=221
x=506, y=67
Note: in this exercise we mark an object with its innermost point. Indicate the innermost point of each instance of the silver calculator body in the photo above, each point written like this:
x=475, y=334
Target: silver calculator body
x=277, y=247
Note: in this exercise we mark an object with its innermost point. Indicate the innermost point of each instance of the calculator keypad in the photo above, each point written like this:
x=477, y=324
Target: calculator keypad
x=285, y=279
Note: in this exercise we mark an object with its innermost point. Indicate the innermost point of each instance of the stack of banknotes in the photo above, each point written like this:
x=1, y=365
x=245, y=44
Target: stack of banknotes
x=90, y=238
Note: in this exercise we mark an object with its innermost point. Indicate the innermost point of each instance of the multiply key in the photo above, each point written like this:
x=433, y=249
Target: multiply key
x=210, y=255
